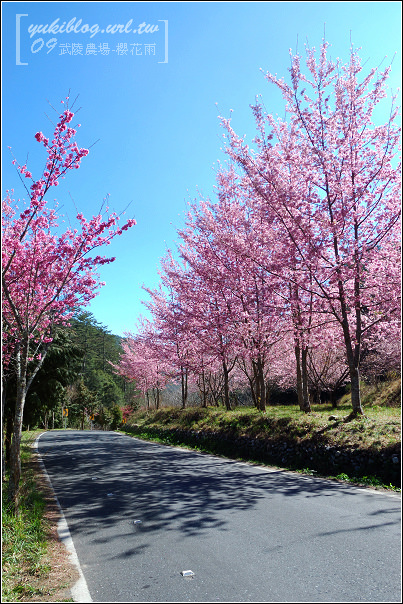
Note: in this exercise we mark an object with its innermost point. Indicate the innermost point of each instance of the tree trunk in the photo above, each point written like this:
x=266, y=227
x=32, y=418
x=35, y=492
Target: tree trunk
x=355, y=392
x=252, y=385
x=353, y=355
x=300, y=393
x=256, y=385
x=7, y=436
x=302, y=379
x=353, y=359
x=23, y=384
x=3, y=440
x=260, y=386
x=204, y=395
x=6, y=432
x=305, y=391
x=226, y=387
x=15, y=453
x=184, y=382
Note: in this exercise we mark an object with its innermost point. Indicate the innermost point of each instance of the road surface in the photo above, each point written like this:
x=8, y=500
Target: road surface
x=141, y=513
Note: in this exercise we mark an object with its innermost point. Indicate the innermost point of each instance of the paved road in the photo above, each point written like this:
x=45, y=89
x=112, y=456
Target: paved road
x=247, y=533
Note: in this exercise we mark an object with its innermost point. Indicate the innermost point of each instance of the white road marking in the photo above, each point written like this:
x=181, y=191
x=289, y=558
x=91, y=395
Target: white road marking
x=79, y=591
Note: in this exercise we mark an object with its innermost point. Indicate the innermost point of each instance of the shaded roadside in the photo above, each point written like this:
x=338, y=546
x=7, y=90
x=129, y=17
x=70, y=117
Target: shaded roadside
x=367, y=466
x=50, y=576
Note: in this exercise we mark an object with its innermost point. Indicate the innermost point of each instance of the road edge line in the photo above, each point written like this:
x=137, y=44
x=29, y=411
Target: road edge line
x=79, y=591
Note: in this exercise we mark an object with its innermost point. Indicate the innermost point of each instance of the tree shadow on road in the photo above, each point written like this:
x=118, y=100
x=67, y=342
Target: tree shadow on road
x=108, y=481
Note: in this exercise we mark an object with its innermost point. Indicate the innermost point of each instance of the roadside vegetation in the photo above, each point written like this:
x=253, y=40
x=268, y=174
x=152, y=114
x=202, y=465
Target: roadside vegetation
x=326, y=430
x=35, y=565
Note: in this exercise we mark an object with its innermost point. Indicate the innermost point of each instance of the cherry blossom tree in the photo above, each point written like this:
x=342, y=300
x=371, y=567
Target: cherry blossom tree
x=238, y=302
x=45, y=275
x=261, y=276
x=299, y=258
x=143, y=361
x=168, y=306
x=331, y=179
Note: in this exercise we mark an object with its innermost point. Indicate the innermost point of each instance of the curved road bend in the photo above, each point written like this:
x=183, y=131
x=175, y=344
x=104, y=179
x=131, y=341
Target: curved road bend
x=141, y=513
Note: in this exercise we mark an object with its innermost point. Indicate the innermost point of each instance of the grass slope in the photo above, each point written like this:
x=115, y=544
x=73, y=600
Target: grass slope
x=365, y=450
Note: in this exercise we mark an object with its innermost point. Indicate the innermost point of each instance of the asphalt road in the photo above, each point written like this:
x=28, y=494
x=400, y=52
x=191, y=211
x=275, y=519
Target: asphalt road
x=141, y=513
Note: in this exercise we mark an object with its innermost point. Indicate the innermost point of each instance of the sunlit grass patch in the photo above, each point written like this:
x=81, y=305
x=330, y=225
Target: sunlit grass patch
x=24, y=542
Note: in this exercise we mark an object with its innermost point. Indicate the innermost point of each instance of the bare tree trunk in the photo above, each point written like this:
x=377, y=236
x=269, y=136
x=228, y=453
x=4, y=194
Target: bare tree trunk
x=8, y=437
x=252, y=390
x=257, y=385
x=353, y=359
x=355, y=392
x=262, y=386
x=302, y=379
x=226, y=387
x=6, y=431
x=305, y=391
x=300, y=393
x=23, y=385
x=15, y=453
x=204, y=394
x=157, y=399
x=184, y=382
x=353, y=355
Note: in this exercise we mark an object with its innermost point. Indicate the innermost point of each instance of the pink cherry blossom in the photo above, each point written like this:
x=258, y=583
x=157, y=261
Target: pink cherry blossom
x=45, y=275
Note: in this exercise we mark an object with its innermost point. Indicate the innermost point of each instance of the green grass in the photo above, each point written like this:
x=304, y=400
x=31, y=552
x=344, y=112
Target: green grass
x=24, y=536
x=371, y=481
x=380, y=395
x=379, y=427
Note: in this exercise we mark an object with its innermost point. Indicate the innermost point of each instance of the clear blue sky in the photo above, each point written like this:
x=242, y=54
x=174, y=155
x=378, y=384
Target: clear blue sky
x=156, y=114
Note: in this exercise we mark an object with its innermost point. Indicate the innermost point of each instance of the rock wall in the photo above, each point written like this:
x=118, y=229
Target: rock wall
x=384, y=464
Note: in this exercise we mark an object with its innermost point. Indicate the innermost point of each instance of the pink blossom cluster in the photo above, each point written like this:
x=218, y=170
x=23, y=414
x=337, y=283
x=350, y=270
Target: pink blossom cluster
x=47, y=275
x=292, y=276
x=63, y=155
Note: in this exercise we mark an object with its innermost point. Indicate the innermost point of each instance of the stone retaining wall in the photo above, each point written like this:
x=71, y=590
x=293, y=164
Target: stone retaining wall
x=385, y=464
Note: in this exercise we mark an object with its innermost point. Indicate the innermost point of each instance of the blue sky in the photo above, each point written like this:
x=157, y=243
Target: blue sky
x=155, y=113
